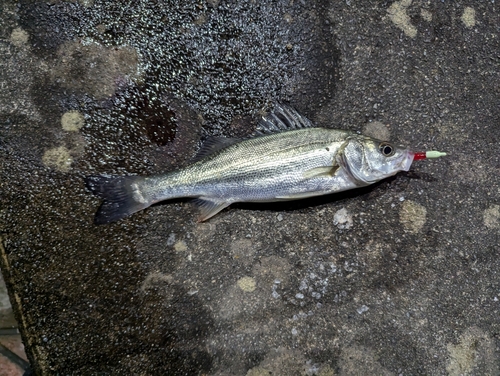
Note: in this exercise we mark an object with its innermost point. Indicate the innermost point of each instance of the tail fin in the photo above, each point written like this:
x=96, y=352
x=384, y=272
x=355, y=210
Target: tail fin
x=121, y=194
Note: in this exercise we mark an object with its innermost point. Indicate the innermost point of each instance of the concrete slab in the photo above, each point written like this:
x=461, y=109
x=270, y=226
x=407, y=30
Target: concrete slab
x=400, y=278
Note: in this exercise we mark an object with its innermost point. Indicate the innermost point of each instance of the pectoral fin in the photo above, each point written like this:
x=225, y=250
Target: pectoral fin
x=209, y=207
x=324, y=171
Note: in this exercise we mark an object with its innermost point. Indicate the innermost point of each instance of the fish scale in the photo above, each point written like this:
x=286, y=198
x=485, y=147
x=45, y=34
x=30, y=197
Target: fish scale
x=274, y=167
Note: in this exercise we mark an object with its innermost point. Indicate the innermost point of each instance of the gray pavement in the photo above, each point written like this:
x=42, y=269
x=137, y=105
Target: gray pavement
x=396, y=279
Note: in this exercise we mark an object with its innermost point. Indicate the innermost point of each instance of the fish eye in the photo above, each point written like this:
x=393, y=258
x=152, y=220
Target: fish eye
x=386, y=149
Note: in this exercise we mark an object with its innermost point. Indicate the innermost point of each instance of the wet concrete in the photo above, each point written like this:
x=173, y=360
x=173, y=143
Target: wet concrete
x=398, y=278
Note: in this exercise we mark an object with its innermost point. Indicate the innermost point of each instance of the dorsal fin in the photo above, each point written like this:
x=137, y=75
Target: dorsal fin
x=212, y=145
x=281, y=118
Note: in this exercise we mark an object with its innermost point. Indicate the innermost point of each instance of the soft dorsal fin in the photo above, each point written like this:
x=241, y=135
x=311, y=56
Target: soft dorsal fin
x=212, y=145
x=282, y=118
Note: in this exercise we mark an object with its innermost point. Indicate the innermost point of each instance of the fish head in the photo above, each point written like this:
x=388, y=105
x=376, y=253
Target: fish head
x=369, y=160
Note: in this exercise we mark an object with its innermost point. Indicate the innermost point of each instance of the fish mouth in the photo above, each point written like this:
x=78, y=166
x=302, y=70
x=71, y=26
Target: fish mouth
x=407, y=161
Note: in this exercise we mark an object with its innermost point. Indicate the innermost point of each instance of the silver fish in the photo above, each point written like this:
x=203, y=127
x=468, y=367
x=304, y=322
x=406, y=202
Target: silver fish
x=287, y=159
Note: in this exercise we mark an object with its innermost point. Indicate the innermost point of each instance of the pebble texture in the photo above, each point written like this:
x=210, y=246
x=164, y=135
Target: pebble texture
x=397, y=278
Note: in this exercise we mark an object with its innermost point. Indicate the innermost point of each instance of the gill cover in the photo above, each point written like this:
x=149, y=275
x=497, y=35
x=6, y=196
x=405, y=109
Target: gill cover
x=368, y=160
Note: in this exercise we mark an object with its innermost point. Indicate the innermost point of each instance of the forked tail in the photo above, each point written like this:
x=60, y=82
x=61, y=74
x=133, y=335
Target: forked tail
x=121, y=194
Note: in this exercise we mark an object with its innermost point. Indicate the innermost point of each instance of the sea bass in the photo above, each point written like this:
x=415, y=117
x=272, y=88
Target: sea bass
x=287, y=159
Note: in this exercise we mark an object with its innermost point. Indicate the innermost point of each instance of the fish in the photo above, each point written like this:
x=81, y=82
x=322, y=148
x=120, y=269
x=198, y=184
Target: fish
x=287, y=158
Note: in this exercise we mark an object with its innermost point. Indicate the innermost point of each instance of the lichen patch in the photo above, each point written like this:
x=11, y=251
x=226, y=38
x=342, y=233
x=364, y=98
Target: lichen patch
x=469, y=17
x=72, y=121
x=180, y=246
x=426, y=15
x=94, y=69
x=247, y=284
x=491, y=217
x=398, y=15
x=412, y=216
x=19, y=37
x=58, y=158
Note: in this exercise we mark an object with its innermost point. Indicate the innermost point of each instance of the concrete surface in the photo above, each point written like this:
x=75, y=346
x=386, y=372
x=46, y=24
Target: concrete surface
x=13, y=361
x=397, y=279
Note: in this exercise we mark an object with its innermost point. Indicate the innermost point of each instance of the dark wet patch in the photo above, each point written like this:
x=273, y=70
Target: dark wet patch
x=152, y=118
x=128, y=128
x=48, y=24
x=222, y=66
x=324, y=59
x=159, y=127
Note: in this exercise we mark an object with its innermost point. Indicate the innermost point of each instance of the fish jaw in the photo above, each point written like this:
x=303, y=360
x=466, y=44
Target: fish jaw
x=407, y=161
x=404, y=164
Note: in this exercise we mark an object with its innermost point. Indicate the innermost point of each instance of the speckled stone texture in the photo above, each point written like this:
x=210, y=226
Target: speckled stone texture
x=400, y=278
x=12, y=355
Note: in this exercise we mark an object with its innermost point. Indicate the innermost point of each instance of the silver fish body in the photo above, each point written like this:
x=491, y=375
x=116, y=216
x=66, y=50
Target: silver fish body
x=289, y=159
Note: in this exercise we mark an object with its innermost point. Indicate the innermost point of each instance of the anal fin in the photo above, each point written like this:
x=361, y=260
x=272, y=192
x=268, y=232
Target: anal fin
x=209, y=207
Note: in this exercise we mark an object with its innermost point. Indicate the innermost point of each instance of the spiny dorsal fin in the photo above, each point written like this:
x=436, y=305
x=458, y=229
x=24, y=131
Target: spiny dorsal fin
x=282, y=118
x=212, y=145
